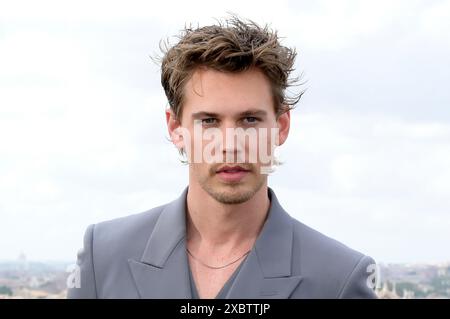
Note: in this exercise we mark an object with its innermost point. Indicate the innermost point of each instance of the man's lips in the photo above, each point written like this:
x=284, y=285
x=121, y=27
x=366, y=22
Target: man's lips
x=232, y=174
x=231, y=169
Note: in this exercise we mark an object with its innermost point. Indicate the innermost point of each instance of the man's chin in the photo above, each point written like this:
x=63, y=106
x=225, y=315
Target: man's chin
x=232, y=198
x=232, y=193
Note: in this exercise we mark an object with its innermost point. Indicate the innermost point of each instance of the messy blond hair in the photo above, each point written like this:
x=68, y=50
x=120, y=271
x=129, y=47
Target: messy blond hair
x=233, y=45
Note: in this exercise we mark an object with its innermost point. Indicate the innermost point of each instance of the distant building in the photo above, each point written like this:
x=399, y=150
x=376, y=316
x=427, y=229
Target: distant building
x=386, y=293
x=22, y=262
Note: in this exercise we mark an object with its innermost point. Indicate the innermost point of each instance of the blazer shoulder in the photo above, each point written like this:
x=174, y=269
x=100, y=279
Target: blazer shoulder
x=314, y=242
x=107, y=246
x=131, y=222
x=330, y=268
x=126, y=233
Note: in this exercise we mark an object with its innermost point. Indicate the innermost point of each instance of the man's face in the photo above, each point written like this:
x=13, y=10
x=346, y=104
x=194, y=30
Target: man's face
x=229, y=165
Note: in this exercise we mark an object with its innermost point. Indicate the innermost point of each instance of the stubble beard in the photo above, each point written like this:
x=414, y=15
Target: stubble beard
x=231, y=193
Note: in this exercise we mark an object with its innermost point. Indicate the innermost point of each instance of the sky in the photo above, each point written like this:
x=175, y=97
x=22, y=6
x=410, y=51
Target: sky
x=83, y=136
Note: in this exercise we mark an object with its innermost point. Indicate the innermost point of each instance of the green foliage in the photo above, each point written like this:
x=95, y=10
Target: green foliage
x=5, y=290
x=402, y=286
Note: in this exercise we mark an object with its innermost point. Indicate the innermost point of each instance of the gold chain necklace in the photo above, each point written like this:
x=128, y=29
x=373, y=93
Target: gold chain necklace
x=212, y=267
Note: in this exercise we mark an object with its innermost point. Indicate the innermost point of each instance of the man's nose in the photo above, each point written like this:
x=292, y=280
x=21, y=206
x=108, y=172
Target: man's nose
x=232, y=147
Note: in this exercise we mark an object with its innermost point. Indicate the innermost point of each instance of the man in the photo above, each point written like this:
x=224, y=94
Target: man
x=227, y=235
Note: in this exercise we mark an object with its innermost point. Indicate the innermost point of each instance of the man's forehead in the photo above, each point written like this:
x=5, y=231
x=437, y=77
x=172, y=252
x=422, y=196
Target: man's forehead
x=204, y=84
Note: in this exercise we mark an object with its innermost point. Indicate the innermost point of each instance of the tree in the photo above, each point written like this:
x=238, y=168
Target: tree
x=5, y=290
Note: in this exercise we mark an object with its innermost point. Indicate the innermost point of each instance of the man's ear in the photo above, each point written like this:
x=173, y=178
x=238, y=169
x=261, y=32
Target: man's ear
x=284, y=123
x=175, y=130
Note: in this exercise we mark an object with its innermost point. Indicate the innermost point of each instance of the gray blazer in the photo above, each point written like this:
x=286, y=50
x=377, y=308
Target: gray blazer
x=144, y=256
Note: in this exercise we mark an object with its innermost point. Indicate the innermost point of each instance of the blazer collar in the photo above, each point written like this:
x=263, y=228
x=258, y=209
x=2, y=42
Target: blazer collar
x=265, y=273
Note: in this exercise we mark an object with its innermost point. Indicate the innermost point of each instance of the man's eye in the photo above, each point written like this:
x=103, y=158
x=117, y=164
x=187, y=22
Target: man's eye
x=251, y=119
x=209, y=121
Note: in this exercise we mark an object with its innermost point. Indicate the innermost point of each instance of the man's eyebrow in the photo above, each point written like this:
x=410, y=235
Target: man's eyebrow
x=198, y=115
x=260, y=113
x=202, y=114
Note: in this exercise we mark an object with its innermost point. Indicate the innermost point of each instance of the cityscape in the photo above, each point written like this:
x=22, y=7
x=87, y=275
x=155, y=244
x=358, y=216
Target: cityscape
x=23, y=279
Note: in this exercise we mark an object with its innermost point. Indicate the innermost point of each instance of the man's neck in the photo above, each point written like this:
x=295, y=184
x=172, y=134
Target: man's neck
x=214, y=226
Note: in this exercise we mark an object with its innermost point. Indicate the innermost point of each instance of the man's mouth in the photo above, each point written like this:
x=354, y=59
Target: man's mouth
x=232, y=174
x=231, y=169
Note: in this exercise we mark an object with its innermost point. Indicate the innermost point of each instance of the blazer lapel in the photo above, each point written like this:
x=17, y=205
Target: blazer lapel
x=266, y=272
x=162, y=271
